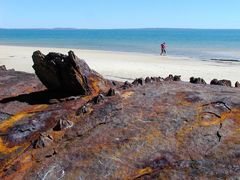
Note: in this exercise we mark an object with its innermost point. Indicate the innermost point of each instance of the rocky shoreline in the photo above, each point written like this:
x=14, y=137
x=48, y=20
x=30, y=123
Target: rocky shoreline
x=73, y=123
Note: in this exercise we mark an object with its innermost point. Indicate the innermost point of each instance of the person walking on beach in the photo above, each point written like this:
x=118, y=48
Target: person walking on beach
x=163, y=49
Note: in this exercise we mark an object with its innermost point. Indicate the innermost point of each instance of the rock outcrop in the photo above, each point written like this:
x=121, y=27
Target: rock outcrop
x=151, y=129
x=237, y=84
x=67, y=73
x=197, y=80
x=223, y=82
x=3, y=68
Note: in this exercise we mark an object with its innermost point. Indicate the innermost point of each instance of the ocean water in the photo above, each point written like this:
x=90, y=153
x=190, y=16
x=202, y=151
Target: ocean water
x=194, y=43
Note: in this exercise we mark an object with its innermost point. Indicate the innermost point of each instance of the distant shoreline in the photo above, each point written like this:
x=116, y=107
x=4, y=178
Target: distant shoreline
x=140, y=28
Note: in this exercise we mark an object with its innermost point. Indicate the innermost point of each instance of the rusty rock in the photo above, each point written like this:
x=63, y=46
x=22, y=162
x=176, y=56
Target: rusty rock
x=111, y=92
x=138, y=81
x=43, y=141
x=126, y=85
x=167, y=129
x=177, y=78
x=157, y=79
x=197, y=80
x=67, y=73
x=3, y=68
x=237, y=84
x=169, y=78
x=62, y=124
x=114, y=83
x=98, y=99
x=148, y=80
x=223, y=82
x=82, y=110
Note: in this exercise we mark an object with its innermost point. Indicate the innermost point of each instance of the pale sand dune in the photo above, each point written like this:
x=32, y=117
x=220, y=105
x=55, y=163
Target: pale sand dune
x=122, y=66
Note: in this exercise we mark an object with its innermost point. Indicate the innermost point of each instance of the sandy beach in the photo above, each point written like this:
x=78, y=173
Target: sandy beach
x=127, y=66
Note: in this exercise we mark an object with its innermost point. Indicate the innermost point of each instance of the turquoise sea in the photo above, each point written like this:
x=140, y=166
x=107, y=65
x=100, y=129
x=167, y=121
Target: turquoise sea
x=195, y=43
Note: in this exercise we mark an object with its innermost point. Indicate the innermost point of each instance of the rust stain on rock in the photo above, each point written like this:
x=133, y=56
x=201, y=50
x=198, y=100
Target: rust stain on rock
x=150, y=129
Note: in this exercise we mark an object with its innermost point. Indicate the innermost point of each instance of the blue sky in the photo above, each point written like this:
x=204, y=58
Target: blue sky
x=101, y=14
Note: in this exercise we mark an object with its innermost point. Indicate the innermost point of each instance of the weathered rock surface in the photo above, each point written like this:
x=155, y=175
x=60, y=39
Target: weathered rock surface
x=64, y=73
x=237, y=84
x=3, y=68
x=197, y=80
x=158, y=130
x=223, y=82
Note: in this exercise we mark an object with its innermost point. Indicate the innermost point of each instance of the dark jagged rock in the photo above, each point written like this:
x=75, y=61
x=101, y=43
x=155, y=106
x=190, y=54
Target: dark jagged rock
x=156, y=131
x=138, y=81
x=98, y=99
x=3, y=68
x=197, y=80
x=177, y=78
x=237, y=84
x=126, y=85
x=111, y=92
x=153, y=79
x=223, y=82
x=64, y=73
x=169, y=78
x=114, y=83
x=157, y=79
x=82, y=110
x=148, y=80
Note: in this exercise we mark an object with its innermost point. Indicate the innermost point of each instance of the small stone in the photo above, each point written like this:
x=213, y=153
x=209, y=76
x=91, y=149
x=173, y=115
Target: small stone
x=63, y=124
x=98, y=99
x=156, y=79
x=3, y=68
x=82, y=110
x=126, y=85
x=138, y=81
x=219, y=136
x=111, y=92
x=148, y=80
x=223, y=82
x=43, y=141
x=114, y=83
x=197, y=80
x=177, y=78
x=214, y=82
x=237, y=84
x=169, y=78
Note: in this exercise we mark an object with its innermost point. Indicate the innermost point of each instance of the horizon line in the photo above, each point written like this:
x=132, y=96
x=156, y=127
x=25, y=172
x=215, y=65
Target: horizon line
x=132, y=28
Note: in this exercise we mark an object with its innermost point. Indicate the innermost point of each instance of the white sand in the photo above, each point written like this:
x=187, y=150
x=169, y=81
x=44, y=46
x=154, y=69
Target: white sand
x=124, y=66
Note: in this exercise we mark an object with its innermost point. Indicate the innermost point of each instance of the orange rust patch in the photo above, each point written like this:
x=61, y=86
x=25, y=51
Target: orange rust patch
x=128, y=94
x=234, y=114
x=95, y=84
x=142, y=172
x=7, y=150
x=9, y=122
x=27, y=113
x=26, y=163
x=181, y=99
